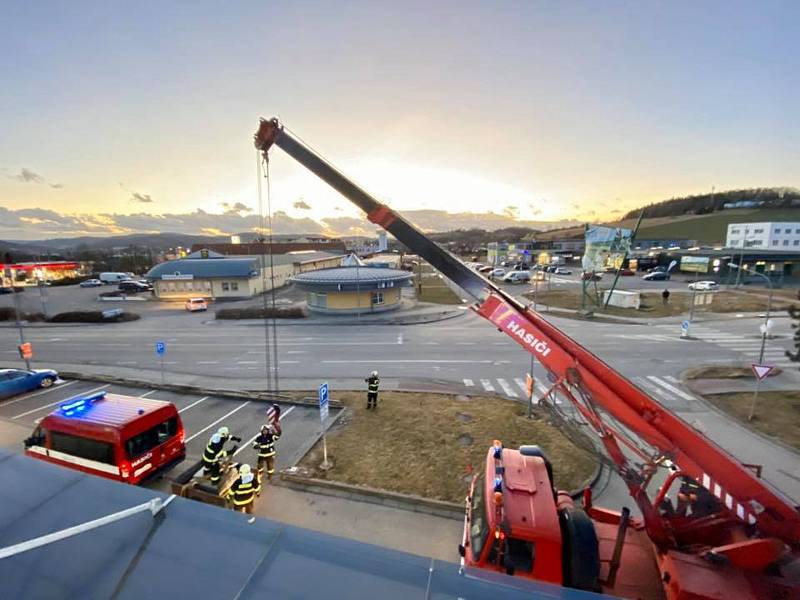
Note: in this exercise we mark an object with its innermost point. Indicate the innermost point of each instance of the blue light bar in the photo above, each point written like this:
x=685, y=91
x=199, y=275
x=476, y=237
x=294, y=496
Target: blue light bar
x=79, y=405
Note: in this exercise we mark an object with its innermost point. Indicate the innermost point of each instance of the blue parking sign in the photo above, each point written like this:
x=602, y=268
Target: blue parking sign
x=323, y=402
x=161, y=348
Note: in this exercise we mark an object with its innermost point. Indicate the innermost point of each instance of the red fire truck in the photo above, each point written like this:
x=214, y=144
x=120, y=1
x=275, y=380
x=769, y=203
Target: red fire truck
x=118, y=437
x=710, y=528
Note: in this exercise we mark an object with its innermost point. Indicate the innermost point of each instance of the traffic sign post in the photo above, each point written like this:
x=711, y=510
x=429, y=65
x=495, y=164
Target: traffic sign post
x=323, y=416
x=685, y=329
x=161, y=350
x=761, y=372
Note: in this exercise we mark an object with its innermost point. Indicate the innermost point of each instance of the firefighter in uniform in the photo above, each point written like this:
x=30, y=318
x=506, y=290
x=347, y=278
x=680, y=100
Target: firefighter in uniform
x=264, y=444
x=214, y=453
x=372, y=390
x=244, y=490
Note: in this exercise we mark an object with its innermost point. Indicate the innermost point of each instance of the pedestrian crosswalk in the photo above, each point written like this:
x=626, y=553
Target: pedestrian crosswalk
x=666, y=389
x=774, y=354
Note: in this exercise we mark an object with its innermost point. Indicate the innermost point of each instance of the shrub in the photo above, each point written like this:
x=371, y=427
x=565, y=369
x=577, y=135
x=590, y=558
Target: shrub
x=7, y=313
x=91, y=316
x=255, y=312
x=66, y=281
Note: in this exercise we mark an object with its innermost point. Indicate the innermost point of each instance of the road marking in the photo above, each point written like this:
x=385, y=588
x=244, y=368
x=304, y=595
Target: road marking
x=487, y=385
x=252, y=439
x=30, y=412
x=127, y=362
x=40, y=392
x=245, y=362
x=297, y=352
x=194, y=404
x=225, y=416
x=457, y=344
x=400, y=338
x=207, y=362
x=521, y=384
x=468, y=382
x=507, y=388
x=369, y=362
x=294, y=362
x=146, y=394
x=671, y=388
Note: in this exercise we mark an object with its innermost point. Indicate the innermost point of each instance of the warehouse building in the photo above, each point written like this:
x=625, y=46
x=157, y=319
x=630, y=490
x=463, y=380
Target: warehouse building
x=353, y=290
x=209, y=274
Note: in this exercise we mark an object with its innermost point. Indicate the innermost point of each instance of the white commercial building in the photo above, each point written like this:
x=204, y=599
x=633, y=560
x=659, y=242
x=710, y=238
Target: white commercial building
x=774, y=235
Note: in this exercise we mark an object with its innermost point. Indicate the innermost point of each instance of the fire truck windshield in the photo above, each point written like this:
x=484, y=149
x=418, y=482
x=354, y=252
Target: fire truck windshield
x=478, y=530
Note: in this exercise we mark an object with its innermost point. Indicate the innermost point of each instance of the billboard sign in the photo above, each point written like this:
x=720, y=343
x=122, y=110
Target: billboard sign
x=694, y=264
x=605, y=247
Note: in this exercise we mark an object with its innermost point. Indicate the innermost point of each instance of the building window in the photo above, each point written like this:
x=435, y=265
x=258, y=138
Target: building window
x=322, y=300
x=787, y=231
x=797, y=230
x=734, y=232
x=234, y=286
x=796, y=243
x=774, y=242
x=226, y=286
x=377, y=298
x=758, y=231
x=777, y=230
x=785, y=242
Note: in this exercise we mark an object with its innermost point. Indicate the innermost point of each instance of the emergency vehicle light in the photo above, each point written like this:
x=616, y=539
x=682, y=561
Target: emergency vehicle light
x=80, y=404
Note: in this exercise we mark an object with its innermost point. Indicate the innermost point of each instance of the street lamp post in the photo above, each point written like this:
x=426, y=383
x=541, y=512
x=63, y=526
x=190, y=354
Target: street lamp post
x=764, y=330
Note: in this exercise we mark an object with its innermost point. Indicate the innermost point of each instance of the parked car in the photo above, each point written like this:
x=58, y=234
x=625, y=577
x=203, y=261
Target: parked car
x=517, y=277
x=497, y=273
x=11, y=290
x=656, y=276
x=133, y=287
x=658, y=269
x=704, y=286
x=627, y=272
x=591, y=276
x=486, y=269
x=112, y=277
x=91, y=283
x=19, y=381
x=562, y=271
x=196, y=304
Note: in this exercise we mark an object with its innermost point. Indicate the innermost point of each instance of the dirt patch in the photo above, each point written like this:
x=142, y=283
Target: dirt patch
x=414, y=443
x=652, y=304
x=719, y=372
x=437, y=294
x=777, y=413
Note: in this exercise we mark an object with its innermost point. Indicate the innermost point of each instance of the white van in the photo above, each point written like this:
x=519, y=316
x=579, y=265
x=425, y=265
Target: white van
x=517, y=277
x=113, y=277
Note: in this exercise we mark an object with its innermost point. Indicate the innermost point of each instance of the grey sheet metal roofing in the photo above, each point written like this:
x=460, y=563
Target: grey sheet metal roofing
x=350, y=278
x=193, y=550
x=206, y=267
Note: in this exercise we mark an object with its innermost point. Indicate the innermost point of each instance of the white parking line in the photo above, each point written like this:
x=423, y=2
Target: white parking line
x=207, y=362
x=246, y=362
x=370, y=362
x=39, y=393
x=75, y=397
x=225, y=416
x=468, y=382
x=487, y=385
x=521, y=384
x=193, y=404
x=250, y=441
x=146, y=394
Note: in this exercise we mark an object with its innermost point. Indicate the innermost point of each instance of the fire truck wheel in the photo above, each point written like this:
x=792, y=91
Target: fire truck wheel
x=581, y=558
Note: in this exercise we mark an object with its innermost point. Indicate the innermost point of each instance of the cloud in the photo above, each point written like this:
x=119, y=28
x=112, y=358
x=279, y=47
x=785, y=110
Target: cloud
x=39, y=223
x=143, y=198
x=26, y=175
x=302, y=205
x=511, y=211
x=235, y=208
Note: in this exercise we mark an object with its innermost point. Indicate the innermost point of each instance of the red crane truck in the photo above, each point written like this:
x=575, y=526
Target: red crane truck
x=711, y=528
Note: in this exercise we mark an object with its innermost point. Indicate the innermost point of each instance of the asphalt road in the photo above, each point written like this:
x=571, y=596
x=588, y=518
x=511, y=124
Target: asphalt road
x=201, y=416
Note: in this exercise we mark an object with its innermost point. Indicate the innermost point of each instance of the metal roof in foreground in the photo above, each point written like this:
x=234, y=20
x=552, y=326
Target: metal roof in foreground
x=192, y=550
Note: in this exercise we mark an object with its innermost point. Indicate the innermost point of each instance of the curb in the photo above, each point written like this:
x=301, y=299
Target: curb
x=183, y=388
x=438, y=508
x=435, y=318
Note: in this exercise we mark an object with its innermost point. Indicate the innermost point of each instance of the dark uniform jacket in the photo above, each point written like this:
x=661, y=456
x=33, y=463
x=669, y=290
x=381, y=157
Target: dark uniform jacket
x=264, y=444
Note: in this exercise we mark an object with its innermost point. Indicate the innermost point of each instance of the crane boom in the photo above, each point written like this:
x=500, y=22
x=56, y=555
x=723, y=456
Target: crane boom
x=581, y=376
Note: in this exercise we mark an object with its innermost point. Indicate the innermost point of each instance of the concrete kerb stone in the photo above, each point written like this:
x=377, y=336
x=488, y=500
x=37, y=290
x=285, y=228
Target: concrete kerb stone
x=189, y=389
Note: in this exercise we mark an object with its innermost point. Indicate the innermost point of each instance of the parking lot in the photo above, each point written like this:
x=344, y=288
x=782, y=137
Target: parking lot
x=201, y=416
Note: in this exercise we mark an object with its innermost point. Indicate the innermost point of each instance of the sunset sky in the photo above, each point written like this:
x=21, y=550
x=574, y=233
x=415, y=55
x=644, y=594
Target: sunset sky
x=126, y=117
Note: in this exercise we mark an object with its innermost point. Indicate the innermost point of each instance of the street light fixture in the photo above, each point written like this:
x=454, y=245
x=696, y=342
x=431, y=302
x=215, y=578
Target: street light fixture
x=765, y=327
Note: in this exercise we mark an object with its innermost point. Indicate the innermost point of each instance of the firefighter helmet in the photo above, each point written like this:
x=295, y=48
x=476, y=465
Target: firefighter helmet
x=223, y=431
x=244, y=469
x=374, y=374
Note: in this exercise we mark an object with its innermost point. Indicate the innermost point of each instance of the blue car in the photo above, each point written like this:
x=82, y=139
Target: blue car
x=19, y=381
